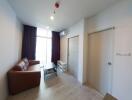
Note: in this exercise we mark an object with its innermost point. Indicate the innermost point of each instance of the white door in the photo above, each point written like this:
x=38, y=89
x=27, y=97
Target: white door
x=100, y=53
x=73, y=56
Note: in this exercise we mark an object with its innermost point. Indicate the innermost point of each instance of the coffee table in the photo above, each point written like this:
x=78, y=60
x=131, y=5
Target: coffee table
x=49, y=69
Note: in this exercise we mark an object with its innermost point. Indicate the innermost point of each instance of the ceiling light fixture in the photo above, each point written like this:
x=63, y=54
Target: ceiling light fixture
x=52, y=17
x=56, y=6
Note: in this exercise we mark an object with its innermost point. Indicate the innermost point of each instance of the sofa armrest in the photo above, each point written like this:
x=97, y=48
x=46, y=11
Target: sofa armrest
x=22, y=80
x=33, y=62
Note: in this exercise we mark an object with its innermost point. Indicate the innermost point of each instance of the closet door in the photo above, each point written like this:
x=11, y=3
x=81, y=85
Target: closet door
x=100, y=59
x=73, y=44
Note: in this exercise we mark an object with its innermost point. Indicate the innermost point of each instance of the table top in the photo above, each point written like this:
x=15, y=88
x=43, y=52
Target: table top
x=49, y=66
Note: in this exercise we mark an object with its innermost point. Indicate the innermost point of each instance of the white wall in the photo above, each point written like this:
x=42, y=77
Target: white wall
x=10, y=44
x=78, y=29
x=75, y=30
x=120, y=16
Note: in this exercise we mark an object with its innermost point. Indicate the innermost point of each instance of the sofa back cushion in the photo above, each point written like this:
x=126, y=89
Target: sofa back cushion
x=17, y=68
x=26, y=63
x=21, y=65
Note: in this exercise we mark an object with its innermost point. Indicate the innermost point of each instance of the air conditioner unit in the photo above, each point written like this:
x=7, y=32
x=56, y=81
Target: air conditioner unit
x=63, y=33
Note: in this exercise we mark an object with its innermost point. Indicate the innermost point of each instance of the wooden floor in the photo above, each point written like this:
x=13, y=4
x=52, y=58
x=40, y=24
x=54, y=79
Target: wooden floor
x=63, y=87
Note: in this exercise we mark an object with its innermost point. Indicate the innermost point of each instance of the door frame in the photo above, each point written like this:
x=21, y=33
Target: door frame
x=113, y=50
x=68, y=49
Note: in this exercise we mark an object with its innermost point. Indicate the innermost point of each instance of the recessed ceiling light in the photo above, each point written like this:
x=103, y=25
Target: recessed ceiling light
x=52, y=17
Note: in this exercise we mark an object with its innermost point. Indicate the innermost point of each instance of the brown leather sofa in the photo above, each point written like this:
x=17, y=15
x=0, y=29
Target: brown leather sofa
x=24, y=75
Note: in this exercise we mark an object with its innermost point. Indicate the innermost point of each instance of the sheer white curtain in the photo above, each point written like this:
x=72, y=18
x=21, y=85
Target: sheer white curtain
x=43, y=46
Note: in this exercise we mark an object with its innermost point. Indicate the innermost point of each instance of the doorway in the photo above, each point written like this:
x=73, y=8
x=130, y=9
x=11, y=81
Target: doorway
x=73, y=47
x=100, y=60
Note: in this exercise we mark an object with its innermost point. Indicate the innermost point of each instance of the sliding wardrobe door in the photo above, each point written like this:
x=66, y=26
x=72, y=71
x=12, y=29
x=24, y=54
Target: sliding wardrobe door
x=100, y=55
x=73, y=55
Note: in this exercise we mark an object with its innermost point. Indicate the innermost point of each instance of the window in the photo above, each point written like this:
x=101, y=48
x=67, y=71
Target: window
x=43, y=46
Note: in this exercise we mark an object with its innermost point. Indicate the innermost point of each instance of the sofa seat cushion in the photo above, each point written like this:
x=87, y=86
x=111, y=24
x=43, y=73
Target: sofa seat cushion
x=34, y=68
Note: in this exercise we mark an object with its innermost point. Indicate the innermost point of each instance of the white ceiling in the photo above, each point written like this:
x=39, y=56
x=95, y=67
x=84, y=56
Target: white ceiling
x=38, y=12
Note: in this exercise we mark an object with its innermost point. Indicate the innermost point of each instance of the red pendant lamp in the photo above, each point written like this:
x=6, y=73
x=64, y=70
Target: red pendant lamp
x=57, y=5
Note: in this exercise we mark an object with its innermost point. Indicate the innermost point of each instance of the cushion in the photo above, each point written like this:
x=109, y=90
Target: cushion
x=17, y=68
x=34, y=68
x=20, y=65
x=26, y=63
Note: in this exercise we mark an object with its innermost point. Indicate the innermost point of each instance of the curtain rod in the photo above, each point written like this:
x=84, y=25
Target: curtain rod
x=42, y=37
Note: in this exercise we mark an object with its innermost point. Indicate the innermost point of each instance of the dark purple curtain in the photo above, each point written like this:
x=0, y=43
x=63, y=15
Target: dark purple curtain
x=29, y=42
x=55, y=47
